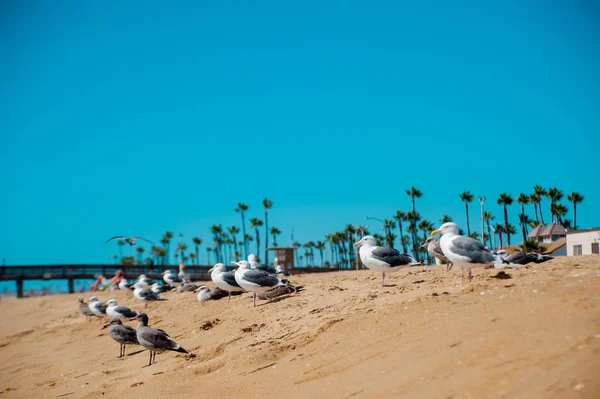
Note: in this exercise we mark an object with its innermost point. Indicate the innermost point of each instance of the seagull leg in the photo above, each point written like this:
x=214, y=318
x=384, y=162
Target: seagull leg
x=229, y=298
x=255, y=299
x=470, y=276
x=154, y=358
x=462, y=276
x=382, y=280
x=150, y=362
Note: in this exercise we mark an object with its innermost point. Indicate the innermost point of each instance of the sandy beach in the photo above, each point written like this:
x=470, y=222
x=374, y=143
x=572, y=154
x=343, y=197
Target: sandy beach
x=531, y=332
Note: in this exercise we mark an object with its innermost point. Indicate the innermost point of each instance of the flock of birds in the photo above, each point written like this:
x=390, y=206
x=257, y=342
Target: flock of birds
x=265, y=282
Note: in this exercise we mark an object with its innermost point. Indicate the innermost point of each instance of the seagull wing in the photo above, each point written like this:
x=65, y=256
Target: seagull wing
x=114, y=238
x=393, y=257
x=141, y=238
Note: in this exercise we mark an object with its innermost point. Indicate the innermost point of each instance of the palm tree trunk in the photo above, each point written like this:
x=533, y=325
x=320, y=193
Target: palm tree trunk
x=506, y=225
x=267, y=237
x=257, y=242
x=540, y=208
x=574, y=216
x=244, y=235
x=536, y=212
x=467, y=212
x=401, y=236
x=489, y=234
x=197, y=256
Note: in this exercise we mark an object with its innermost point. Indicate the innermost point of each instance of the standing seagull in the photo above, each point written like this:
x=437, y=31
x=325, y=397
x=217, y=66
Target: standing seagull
x=466, y=252
x=171, y=278
x=254, y=264
x=145, y=281
x=145, y=294
x=255, y=280
x=124, y=335
x=153, y=339
x=224, y=280
x=433, y=247
x=96, y=307
x=129, y=240
x=84, y=309
x=383, y=259
x=119, y=312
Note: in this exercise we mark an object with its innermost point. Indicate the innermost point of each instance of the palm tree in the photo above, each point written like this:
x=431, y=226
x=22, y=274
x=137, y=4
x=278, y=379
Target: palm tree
x=524, y=222
x=426, y=226
x=554, y=195
x=120, y=244
x=208, y=251
x=510, y=231
x=414, y=193
x=534, y=199
x=466, y=197
x=320, y=245
x=233, y=230
x=539, y=192
x=575, y=198
x=194, y=258
x=445, y=219
x=523, y=199
x=559, y=211
x=388, y=225
x=181, y=248
x=197, y=242
x=275, y=232
x=378, y=239
x=241, y=208
x=267, y=204
x=413, y=218
x=487, y=216
x=140, y=251
x=399, y=216
x=255, y=223
x=474, y=235
x=162, y=254
x=307, y=253
x=567, y=224
x=499, y=229
x=505, y=200
x=217, y=232
x=166, y=241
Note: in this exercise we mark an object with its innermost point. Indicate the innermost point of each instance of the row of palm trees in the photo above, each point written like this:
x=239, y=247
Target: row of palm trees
x=336, y=249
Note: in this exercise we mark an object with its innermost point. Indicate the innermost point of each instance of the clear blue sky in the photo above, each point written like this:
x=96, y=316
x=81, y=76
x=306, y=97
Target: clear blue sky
x=137, y=117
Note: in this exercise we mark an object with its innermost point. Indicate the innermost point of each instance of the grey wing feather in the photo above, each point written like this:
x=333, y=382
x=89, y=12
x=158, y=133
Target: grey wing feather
x=472, y=249
x=263, y=267
x=149, y=295
x=114, y=238
x=159, y=339
x=229, y=278
x=123, y=334
x=126, y=311
x=392, y=256
x=261, y=278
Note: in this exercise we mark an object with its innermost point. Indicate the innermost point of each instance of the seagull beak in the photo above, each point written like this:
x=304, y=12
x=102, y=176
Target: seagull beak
x=106, y=325
x=211, y=269
x=133, y=319
x=235, y=263
x=357, y=244
x=434, y=232
x=424, y=245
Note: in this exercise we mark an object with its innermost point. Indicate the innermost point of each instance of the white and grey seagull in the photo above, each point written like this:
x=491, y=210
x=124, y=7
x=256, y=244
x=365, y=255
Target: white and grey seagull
x=96, y=307
x=466, y=252
x=255, y=280
x=115, y=311
x=432, y=244
x=145, y=294
x=383, y=259
x=129, y=240
x=224, y=280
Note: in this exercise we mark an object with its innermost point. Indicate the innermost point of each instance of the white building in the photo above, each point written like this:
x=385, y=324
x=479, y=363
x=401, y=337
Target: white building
x=583, y=242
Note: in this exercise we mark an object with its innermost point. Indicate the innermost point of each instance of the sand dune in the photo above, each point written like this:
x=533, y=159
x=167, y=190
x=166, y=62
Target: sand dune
x=533, y=334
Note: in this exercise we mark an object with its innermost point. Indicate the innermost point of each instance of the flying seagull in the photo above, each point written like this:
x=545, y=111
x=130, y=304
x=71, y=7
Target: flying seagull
x=466, y=252
x=383, y=259
x=129, y=240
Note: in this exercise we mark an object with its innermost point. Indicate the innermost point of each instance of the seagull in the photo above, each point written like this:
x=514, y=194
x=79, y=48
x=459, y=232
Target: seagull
x=124, y=335
x=129, y=240
x=261, y=266
x=223, y=279
x=160, y=288
x=433, y=247
x=145, y=281
x=124, y=284
x=255, y=280
x=523, y=258
x=187, y=287
x=278, y=291
x=96, y=307
x=84, y=309
x=171, y=278
x=119, y=312
x=153, y=339
x=466, y=252
x=145, y=294
x=383, y=259
x=210, y=294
